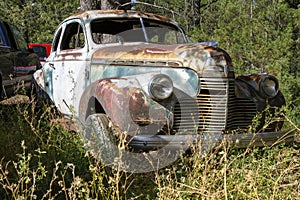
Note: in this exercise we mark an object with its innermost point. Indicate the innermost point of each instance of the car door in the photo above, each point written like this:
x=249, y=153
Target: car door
x=48, y=67
x=68, y=67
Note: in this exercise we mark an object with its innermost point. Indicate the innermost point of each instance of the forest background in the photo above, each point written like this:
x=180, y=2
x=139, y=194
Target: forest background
x=259, y=35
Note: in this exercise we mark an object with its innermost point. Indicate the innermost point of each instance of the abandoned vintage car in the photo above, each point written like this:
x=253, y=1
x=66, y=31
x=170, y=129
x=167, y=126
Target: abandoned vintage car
x=138, y=72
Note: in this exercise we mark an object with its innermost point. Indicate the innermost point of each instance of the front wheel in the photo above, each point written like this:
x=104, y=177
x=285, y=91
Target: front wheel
x=100, y=139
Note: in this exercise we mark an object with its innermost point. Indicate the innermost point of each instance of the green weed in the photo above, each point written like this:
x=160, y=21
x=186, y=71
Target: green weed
x=42, y=160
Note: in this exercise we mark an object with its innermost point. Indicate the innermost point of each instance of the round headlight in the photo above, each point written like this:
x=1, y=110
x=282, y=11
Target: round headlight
x=269, y=87
x=160, y=87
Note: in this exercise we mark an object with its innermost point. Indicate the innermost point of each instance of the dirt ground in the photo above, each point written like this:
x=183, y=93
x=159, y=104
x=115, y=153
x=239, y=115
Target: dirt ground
x=15, y=100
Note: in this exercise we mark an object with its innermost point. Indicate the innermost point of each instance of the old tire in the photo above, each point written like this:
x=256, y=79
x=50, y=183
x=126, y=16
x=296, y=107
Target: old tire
x=99, y=138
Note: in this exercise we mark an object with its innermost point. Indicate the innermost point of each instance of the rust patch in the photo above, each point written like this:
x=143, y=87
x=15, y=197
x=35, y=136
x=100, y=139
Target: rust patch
x=137, y=52
x=139, y=108
x=70, y=53
x=39, y=79
x=156, y=50
x=126, y=105
x=194, y=56
x=256, y=77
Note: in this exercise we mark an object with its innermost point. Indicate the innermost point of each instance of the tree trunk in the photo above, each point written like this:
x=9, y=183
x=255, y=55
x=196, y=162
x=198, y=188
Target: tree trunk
x=196, y=12
x=102, y=4
x=89, y=5
x=107, y=5
x=111, y=4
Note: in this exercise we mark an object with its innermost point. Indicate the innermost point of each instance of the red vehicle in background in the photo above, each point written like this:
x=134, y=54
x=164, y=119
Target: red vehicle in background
x=43, y=51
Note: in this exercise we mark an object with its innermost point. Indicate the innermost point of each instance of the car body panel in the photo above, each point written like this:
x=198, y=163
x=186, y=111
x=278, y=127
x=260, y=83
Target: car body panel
x=196, y=57
x=117, y=95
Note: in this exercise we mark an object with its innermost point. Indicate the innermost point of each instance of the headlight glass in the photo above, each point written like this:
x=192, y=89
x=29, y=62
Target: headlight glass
x=160, y=87
x=269, y=87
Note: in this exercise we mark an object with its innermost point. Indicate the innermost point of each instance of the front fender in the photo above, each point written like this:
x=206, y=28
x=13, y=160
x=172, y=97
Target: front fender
x=126, y=104
x=250, y=87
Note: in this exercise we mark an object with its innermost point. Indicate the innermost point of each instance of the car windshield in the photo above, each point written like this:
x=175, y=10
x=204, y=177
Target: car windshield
x=135, y=30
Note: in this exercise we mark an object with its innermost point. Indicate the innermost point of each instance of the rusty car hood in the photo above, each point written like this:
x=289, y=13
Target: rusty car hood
x=195, y=56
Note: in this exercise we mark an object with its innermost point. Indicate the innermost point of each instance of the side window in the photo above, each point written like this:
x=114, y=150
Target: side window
x=2, y=42
x=56, y=40
x=73, y=37
x=22, y=44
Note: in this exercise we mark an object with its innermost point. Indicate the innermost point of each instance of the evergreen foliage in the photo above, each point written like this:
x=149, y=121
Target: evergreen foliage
x=260, y=36
x=37, y=19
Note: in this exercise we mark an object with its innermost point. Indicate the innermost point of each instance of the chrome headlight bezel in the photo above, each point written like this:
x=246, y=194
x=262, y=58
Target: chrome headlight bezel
x=160, y=87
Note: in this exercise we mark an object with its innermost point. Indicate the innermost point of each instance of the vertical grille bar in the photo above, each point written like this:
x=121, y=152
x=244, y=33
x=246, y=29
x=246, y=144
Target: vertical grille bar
x=216, y=109
x=212, y=102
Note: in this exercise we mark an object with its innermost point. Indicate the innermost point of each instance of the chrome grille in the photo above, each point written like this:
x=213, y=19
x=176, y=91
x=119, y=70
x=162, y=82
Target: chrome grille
x=241, y=111
x=216, y=109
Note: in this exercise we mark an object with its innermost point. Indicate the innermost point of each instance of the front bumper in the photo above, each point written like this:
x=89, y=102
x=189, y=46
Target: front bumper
x=154, y=142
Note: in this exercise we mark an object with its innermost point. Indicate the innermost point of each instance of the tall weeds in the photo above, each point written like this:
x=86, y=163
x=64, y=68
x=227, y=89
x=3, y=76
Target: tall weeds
x=42, y=160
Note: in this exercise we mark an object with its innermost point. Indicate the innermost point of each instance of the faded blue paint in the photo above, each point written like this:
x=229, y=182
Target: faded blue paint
x=183, y=79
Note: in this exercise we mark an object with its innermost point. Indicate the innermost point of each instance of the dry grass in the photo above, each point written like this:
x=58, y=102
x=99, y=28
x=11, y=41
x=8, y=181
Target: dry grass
x=14, y=100
x=41, y=159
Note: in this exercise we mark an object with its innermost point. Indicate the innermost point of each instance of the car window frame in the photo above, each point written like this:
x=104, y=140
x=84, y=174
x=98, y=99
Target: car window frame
x=57, y=38
x=65, y=26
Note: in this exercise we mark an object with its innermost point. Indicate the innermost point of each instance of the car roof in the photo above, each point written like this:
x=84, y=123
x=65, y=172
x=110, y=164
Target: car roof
x=92, y=14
